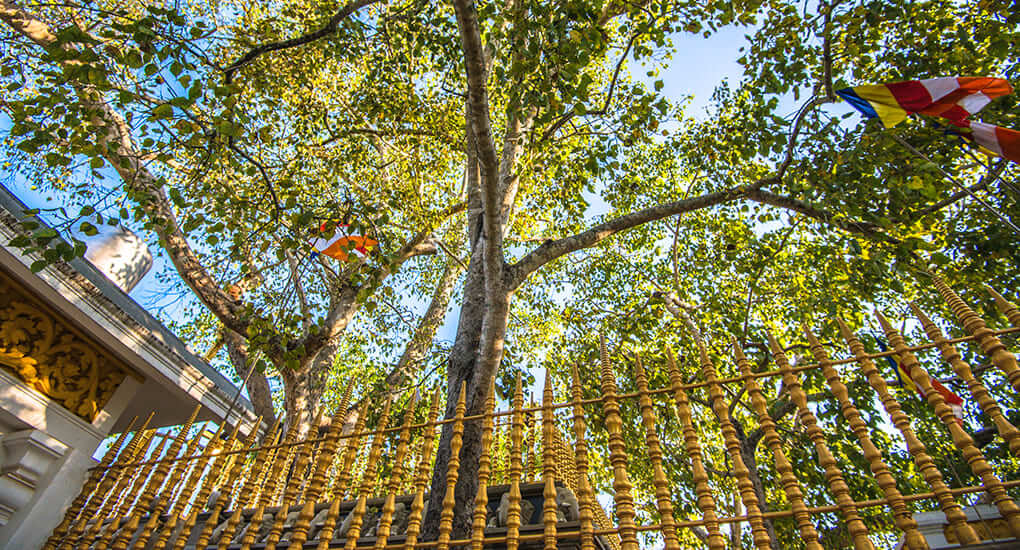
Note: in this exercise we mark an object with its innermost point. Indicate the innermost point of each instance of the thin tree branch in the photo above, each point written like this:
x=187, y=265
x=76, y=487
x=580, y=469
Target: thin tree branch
x=329, y=28
x=116, y=145
x=551, y=250
x=866, y=229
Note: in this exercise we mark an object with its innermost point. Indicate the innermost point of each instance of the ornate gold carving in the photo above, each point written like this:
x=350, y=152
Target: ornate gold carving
x=52, y=357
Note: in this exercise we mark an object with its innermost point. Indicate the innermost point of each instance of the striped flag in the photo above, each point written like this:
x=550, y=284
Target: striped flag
x=954, y=401
x=341, y=243
x=993, y=140
x=952, y=98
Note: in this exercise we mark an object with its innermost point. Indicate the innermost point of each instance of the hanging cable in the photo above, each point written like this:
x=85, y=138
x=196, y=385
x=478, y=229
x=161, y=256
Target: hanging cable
x=959, y=185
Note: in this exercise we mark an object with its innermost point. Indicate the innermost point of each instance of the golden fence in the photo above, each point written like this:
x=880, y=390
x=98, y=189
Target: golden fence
x=359, y=486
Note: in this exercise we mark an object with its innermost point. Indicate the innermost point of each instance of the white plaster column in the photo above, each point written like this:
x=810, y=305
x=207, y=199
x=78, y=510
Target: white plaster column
x=46, y=454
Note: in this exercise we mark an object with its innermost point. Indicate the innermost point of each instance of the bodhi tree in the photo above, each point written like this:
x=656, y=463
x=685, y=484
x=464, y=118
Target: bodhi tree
x=398, y=112
x=548, y=116
x=235, y=172
x=790, y=251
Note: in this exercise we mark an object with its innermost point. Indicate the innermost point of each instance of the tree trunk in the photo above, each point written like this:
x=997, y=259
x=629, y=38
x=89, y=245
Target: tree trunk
x=425, y=333
x=259, y=394
x=303, y=388
x=483, y=317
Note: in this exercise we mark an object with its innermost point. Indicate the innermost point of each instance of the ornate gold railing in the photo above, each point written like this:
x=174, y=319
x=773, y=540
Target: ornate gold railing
x=367, y=485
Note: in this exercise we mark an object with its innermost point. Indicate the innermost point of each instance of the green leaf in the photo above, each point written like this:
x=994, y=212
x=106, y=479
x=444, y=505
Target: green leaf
x=164, y=110
x=88, y=229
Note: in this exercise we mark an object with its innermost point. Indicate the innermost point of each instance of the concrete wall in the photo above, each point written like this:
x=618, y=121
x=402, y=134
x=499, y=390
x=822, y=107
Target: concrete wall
x=45, y=453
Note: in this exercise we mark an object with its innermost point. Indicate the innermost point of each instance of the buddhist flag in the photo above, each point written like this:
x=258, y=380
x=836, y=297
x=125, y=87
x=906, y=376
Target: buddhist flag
x=954, y=401
x=341, y=242
x=993, y=140
x=952, y=98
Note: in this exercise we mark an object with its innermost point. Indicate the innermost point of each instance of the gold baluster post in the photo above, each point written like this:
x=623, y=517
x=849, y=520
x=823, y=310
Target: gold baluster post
x=204, y=490
x=278, y=463
x=184, y=494
x=794, y=493
x=350, y=455
x=706, y=502
x=317, y=481
x=548, y=465
x=250, y=489
x=990, y=344
x=138, y=486
x=368, y=477
x=988, y=405
x=421, y=477
x=961, y=439
x=109, y=487
x=228, y=489
x=585, y=495
x=452, y=471
x=382, y=532
x=174, y=480
x=747, y=495
x=954, y=514
x=484, y=464
x=513, y=516
x=663, y=498
x=617, y=453
x=154, y=484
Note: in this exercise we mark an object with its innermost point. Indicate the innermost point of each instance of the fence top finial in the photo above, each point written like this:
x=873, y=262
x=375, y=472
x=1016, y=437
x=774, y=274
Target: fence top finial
x=925, y=320
x=886, y=325
x=844, y=329
x=738, y=350
x=774, y=344
x=813, y=340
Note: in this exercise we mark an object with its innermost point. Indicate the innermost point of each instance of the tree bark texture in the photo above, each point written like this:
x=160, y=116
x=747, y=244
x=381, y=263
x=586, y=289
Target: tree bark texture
x=259, y=393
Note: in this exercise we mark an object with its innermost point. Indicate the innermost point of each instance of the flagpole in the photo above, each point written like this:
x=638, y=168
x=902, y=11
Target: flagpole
x=959, y=185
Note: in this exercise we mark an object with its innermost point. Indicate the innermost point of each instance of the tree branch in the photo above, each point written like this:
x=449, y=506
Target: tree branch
x=116, y=145
x=866, y=229
x=329, y=28
x=425, y=333
x=551, y=250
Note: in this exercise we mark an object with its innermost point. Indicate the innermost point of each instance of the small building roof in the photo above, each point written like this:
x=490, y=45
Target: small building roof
x=176, y=379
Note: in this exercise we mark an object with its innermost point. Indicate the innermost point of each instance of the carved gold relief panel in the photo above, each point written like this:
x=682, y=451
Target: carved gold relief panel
x=46, y=353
